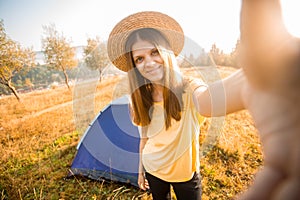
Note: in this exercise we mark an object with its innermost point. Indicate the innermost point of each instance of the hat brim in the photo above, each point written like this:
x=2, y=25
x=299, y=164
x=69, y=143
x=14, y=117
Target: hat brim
x=169, y=27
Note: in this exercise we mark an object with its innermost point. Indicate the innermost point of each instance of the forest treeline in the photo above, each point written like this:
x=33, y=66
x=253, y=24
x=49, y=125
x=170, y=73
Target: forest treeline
x=21, y=72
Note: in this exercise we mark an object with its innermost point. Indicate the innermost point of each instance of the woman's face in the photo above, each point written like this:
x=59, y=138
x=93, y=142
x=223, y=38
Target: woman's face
x=148, y=61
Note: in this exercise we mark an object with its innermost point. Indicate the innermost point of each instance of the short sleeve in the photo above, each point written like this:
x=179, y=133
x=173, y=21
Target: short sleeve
x=194, y=83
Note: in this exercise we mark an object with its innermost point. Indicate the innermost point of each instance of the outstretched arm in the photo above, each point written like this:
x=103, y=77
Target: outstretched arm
x=221, y=97
x=271, y=60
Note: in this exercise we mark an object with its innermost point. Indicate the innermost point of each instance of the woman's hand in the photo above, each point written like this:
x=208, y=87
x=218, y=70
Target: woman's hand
x=142, y=181
x=277, y=120
x=270, y=59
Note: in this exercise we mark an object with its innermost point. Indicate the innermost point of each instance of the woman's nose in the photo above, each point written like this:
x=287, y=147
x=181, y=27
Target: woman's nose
x=149, y=61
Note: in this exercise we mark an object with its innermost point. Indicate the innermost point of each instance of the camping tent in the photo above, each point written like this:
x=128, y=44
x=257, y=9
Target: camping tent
x=109, y=149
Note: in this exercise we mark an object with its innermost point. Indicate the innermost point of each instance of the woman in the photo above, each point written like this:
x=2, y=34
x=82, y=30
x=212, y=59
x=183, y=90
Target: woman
x=166, y=104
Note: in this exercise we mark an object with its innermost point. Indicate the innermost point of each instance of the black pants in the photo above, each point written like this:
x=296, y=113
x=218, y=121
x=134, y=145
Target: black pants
x=160, y=189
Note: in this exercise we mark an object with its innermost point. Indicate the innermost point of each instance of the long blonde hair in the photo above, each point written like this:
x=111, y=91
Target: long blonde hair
x=141, y=88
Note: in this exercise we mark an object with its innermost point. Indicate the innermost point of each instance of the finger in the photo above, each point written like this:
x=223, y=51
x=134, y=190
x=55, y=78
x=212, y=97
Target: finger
x=265, y=51
x=142, y=186
x=147, y=184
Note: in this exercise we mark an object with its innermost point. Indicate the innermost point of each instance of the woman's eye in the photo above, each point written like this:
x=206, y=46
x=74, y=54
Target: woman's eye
x=155, y=52
x=138, y=60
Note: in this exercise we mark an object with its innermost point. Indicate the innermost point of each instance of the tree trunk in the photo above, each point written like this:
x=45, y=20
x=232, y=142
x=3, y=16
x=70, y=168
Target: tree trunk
x=100, y=72
x=14, y=91
x=66, y=78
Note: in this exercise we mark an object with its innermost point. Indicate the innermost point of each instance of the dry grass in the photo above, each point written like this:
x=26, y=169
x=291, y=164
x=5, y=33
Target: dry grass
x=38, y=139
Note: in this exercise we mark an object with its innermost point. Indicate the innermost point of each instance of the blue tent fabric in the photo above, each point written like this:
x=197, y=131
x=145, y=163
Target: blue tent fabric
x=109, y=149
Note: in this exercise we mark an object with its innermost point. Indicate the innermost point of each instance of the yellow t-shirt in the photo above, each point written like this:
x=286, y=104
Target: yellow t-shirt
x=173, y=155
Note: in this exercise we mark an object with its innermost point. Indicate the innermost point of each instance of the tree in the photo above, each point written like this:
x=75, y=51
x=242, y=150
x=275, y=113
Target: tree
x=58, y=52
x=235, y=54
x=96, y=56
x=202, y=59
x=13, y=60
x=215, y=53
x=28, y=83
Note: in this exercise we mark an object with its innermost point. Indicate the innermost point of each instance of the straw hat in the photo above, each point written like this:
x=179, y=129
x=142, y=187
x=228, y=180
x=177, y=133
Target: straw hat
x=147, y=19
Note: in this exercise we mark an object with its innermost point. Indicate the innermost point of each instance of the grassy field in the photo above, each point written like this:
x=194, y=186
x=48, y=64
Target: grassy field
x=38, y=139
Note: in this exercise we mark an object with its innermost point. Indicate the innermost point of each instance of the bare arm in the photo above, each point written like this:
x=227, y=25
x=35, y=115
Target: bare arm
x=221, y=97
x=142, y=182
x=143, y=142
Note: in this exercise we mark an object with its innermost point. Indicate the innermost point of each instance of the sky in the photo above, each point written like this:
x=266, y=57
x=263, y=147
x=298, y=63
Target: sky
x=204, y=21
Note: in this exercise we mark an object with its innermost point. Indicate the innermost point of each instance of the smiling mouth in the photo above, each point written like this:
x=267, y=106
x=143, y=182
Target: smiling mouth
x=153, y=70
